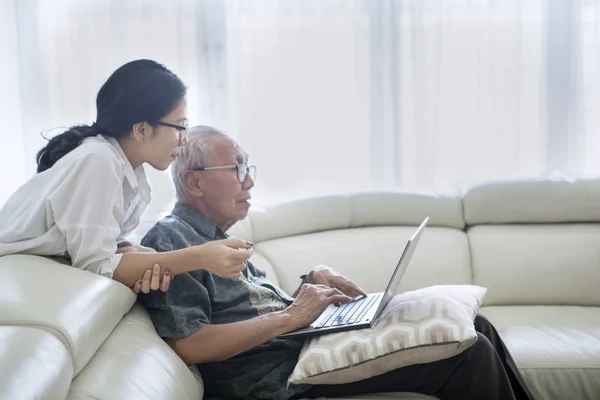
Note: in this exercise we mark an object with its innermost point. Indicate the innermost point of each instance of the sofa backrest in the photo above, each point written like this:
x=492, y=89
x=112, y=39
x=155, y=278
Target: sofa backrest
x=529, y=242
x=361, y=235
x=536, y=242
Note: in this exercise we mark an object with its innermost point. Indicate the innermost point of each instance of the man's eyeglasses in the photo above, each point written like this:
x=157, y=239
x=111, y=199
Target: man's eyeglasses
x=181, y=129
x=243, y=170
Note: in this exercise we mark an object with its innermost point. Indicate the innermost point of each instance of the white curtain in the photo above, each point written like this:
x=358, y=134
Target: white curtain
x=58, y=54
x=327, y=95
x=12, y=144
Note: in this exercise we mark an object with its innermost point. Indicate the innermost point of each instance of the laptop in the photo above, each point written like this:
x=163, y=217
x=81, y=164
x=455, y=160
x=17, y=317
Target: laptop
x=362, y=312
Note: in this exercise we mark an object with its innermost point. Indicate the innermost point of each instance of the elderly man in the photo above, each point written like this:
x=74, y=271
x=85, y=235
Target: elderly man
x=230, y=327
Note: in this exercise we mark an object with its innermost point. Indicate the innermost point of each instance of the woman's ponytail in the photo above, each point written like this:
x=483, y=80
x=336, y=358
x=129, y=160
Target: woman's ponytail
x=61, y=144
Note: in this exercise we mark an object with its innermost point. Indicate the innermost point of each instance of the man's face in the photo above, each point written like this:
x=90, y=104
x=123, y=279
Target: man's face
x=225, y=199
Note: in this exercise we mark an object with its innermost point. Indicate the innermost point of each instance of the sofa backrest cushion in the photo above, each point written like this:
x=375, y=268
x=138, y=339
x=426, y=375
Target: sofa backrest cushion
x=350, y=211
x=549, y=264
x=533, y=201
x=536, y=241
x=368, y=256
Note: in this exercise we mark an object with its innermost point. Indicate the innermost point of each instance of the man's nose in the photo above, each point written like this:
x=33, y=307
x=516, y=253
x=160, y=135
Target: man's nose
x=248, y=183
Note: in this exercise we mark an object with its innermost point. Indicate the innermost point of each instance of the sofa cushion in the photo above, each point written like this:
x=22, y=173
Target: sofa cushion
x=353, y=210
x=135, y=362
x=556, y=348
x=537, y=264
x=530, y=201
x=79, y=307
x=417, y=327
x=35, y=364
x=368, y=256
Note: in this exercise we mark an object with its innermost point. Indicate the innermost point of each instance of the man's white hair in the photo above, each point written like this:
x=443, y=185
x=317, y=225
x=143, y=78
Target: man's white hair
x=195, y=154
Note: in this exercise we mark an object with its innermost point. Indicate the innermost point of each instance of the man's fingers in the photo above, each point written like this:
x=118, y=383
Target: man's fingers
x=237, y=243
x=335, y=292
x=358, y=290
x=155, y=280
x=351, y=293
x=339, y=299
x=137, y=286
x=242, y=255
x=335, y=296
x=347, y=287
x=352, y=290
x=319, y=279
x=146, y=281
x=240, y=267
x=321, y=286
x=166, y=280
x=234, y=274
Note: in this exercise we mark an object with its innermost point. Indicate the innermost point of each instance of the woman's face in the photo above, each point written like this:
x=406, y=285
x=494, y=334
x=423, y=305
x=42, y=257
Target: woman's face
x=166, y=141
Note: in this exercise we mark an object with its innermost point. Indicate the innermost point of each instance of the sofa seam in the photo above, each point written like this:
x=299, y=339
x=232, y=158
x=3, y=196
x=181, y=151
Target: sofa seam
x=471, y=259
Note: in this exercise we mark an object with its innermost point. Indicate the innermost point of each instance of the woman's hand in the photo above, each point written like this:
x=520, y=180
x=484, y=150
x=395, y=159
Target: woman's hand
x=153, y=281
x=225, y=258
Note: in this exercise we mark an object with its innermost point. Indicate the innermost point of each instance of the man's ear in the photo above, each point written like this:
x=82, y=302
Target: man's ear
x=194, y=183
x=141, y=131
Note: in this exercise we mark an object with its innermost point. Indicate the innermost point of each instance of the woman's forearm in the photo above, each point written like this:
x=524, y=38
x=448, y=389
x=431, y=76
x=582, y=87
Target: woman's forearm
x=133, y=264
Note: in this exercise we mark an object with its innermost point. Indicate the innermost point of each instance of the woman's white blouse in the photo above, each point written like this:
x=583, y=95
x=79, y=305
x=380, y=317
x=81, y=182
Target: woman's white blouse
x=90, y=200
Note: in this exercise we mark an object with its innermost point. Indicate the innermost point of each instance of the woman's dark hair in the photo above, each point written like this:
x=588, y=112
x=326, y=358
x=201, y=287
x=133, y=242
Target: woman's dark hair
x=141, y=90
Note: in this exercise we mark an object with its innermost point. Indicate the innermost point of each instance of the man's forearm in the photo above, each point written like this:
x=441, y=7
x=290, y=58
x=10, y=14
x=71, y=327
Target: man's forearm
x=218, y=342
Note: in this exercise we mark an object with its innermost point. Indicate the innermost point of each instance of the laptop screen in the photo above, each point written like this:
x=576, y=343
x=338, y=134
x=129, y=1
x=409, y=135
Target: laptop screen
x=401, y=267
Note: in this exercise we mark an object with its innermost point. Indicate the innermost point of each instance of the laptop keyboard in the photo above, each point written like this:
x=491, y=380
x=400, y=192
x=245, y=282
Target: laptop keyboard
x=346, y=314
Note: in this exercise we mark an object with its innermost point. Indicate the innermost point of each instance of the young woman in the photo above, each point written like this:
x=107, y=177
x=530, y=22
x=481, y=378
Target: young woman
x=91, y=189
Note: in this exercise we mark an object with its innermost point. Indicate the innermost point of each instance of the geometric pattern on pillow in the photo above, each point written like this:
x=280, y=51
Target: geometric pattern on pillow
x=420, y=326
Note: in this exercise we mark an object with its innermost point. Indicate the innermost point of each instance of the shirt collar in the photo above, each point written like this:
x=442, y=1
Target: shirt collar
x=198, y=222
x=130, y=174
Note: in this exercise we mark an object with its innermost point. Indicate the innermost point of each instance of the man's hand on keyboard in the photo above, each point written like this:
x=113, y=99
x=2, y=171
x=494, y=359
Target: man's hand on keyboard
x=311, y=302
x=324, y=275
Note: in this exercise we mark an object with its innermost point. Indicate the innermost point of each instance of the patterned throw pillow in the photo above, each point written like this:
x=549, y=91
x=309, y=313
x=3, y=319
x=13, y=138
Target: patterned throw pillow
x=416, y=327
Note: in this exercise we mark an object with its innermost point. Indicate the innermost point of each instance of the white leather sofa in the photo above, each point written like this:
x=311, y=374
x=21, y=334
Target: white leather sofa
x=66, y=333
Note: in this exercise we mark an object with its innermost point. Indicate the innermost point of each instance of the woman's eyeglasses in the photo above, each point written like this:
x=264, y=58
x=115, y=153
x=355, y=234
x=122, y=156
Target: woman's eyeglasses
x=181, y=129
